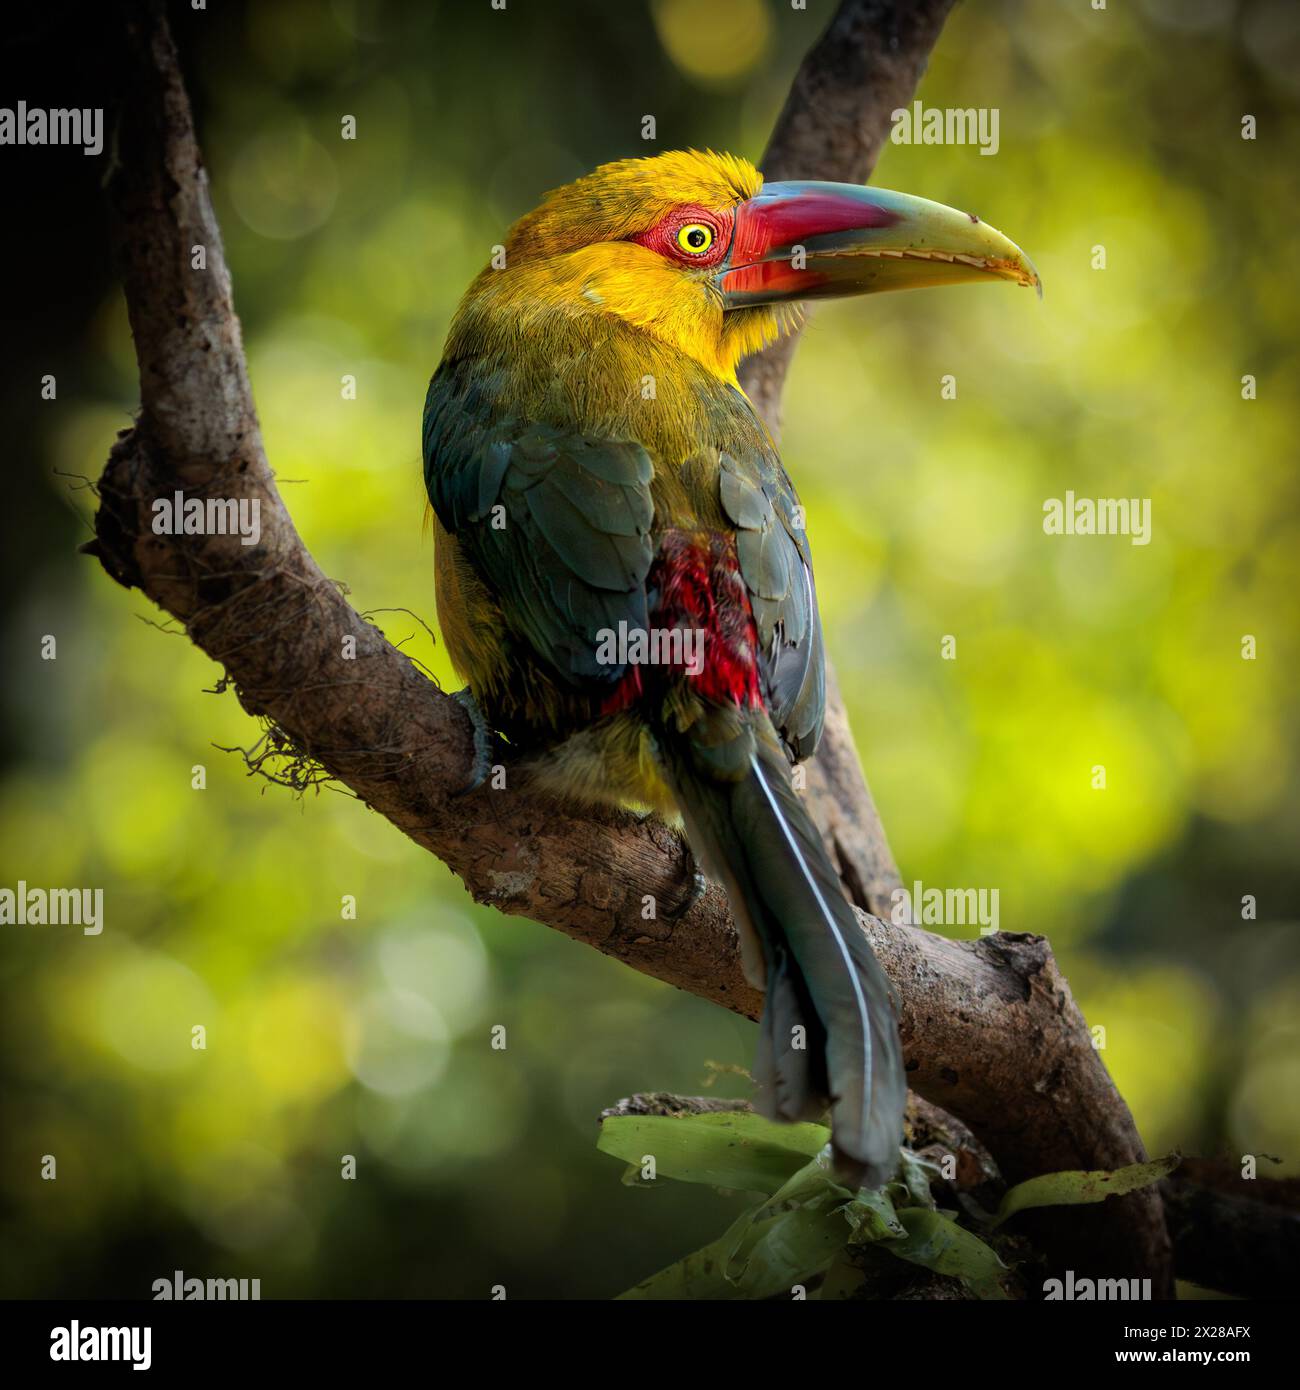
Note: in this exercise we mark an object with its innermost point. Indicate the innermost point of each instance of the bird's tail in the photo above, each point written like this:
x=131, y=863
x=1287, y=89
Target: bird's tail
x=828, y=1036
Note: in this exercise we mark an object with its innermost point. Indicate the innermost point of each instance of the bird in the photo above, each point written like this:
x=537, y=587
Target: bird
x=623, y=572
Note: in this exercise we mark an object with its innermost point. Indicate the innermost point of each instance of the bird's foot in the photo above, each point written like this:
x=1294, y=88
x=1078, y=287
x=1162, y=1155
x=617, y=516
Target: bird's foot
x=484, y=742
x=696, y=884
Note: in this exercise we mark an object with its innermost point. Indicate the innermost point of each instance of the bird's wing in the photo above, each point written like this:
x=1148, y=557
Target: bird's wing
x=759, y=500
x=558, y=522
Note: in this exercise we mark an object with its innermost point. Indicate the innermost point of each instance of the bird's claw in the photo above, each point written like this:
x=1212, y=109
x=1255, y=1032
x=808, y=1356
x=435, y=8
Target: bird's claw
x=698, y=885
x=484, y=742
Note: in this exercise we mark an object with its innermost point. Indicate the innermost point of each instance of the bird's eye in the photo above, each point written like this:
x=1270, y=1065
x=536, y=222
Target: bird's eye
x=695, y=238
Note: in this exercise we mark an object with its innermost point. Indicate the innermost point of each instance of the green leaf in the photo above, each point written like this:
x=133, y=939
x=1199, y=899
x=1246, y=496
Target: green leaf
x=872, y=1216
x=791, y=1248
x=769, y=1248
x=937, y=1243
x=915, y=1174
x=812, y=1184
x=1076, y=1187
x=754, y=1259
x=732, y=1149
x=700, y=1275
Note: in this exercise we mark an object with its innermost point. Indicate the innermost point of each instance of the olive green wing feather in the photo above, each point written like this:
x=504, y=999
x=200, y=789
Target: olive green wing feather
x=775, y=559
x=556, y=522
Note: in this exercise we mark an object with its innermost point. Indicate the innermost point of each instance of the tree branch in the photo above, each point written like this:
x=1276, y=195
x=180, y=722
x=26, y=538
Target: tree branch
x=989, y=1028
x=1239, y=1235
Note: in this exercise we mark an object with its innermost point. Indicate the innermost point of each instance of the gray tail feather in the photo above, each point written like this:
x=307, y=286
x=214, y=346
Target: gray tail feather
x=828, y=1034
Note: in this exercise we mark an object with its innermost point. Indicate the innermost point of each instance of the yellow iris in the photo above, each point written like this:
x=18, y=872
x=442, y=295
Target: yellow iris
x=695, y=238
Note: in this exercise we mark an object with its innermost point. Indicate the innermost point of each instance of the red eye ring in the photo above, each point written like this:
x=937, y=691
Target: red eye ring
x=675, y=235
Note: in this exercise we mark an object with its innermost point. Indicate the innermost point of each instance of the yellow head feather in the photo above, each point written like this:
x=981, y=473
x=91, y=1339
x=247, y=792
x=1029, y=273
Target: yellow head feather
x=628, y=196
x=572, y=257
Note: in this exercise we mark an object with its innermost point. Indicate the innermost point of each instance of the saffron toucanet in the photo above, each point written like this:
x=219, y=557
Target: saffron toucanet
x=595, y=470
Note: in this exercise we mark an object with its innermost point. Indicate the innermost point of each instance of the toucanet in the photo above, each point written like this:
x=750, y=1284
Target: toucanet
x=624, y=579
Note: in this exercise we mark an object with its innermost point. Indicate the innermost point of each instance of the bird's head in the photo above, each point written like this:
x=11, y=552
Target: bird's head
x=695, y=248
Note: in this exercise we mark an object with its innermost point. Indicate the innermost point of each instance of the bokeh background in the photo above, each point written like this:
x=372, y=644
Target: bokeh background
x=1119, y=128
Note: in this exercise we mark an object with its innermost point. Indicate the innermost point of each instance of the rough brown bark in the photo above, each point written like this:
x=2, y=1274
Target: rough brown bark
x=989, y=1028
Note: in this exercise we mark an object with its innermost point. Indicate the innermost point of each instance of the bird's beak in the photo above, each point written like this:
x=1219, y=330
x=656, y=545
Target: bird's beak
x=823, y=240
